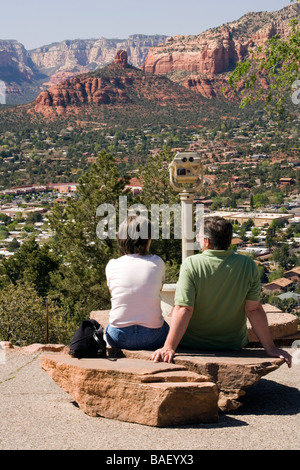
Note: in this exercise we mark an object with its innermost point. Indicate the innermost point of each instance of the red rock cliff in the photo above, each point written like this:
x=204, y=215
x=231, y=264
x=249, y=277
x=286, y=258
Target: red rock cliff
x=83, y=90
x=114, y=85
x=199, y=61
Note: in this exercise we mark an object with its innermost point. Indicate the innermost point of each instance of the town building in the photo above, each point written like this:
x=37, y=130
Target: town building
x=293, y=274
x=134, y=186
x=259, y=218
x=34, y=188
x=280, y=285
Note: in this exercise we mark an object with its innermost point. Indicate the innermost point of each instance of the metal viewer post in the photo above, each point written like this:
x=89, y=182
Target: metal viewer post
x=186, y=177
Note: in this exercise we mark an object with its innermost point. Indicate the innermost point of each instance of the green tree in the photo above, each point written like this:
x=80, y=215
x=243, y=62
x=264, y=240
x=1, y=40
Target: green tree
x=32, y=264
x=279, y=273
x=278, y=224
x=217, y=203
x=292, y=230
x=278, y=197
x=284, y=256
x=251, y=202
x=271, y=237
x=262, y=272
x=14, y=245
x=260, y=200
x=23, y=317
x=278, y=62
x=34, y=217
x=255, y=231
x=83, y=255
x=286, y=305
x=155, y=179
x=3, y=233
x=5, y=219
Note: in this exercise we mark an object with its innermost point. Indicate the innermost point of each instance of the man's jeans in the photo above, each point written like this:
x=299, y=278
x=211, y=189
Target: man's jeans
x=137, y=337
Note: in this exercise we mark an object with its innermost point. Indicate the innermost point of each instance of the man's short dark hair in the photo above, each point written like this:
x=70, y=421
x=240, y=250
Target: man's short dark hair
x=134, y=235
x=219, y=232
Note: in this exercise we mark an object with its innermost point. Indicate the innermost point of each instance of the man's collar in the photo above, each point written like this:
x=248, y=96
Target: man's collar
x=217, y=253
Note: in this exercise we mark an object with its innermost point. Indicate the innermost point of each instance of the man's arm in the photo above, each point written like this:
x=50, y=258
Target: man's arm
x=259, y=322
x=179, y=322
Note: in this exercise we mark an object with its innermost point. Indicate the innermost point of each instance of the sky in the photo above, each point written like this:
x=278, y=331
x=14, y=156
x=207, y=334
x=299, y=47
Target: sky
x=35, y=23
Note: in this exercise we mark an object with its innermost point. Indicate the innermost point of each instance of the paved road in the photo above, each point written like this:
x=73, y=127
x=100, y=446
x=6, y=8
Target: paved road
x=35, y=414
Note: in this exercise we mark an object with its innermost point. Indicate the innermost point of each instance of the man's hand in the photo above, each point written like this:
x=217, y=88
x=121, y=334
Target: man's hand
x=164, y=354
x=179, y=323
x=276, y=352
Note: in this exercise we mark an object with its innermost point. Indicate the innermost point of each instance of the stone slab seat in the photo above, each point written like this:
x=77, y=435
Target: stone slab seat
x=231, y=371
x=282, y=326
x=135, y=390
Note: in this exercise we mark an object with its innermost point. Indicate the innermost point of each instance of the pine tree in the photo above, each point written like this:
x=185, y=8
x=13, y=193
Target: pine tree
x=32, y=264
x=155, y=179
x=83, y=255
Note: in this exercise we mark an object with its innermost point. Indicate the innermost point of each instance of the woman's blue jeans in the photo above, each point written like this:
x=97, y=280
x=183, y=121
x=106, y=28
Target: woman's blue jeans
x=137, y=337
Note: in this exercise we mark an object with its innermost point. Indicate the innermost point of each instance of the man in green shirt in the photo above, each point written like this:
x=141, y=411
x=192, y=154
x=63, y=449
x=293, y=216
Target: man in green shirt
x=216, y=292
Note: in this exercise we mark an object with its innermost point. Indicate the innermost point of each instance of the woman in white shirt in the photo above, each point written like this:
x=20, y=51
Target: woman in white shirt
x=135, y=281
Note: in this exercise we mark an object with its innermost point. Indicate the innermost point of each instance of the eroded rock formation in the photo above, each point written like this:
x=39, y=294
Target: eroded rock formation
x=83, y=90
x=26, y=73
x=114, y=85
x=202, y=62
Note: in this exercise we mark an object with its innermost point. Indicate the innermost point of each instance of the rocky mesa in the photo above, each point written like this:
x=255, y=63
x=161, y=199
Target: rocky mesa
x=84, y=90
x=86, y=55
x=203, y=62
x=27, y=72
x=115, y=85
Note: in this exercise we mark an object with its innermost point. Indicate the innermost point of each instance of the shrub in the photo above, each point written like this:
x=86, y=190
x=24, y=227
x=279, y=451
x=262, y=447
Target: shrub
x=23, y=317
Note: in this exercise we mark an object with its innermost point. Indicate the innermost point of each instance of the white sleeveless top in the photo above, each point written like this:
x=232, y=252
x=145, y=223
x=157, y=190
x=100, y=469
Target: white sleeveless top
x=135, y=283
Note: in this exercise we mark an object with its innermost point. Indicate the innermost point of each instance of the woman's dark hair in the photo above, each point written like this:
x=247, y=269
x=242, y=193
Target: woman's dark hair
x=219, y=232
x=134, y=235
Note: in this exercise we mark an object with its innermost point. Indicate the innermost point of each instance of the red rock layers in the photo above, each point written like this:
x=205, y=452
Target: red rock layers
x=121, y=59
x=207, y=55
x=81, y=90
x=203, y=62
x=115, y=85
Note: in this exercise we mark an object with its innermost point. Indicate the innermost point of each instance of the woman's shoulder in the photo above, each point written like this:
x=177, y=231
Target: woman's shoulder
x=156, y=259
x=131, y=259
x=111, y=263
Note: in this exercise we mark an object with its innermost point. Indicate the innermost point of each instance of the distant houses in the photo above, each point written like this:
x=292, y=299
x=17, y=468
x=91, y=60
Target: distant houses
x=256, y=250
x=14, y=211
x=284, y=284
x=293, y=274
x=236, y=181
x=278, y=285
x=35, y=188
x=259, y=218
x=134, y=186
x=286, y=181
x=289, y=296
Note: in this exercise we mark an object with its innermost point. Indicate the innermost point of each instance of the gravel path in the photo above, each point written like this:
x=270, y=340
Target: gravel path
x=35, y=414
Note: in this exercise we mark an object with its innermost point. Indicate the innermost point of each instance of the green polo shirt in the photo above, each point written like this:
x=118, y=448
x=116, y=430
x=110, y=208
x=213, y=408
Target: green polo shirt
x=217, y=283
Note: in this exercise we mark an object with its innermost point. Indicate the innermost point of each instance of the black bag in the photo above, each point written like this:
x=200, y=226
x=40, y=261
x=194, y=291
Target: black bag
x=88, y=341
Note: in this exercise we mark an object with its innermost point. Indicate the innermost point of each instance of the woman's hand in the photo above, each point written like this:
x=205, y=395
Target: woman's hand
x=164, y=354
